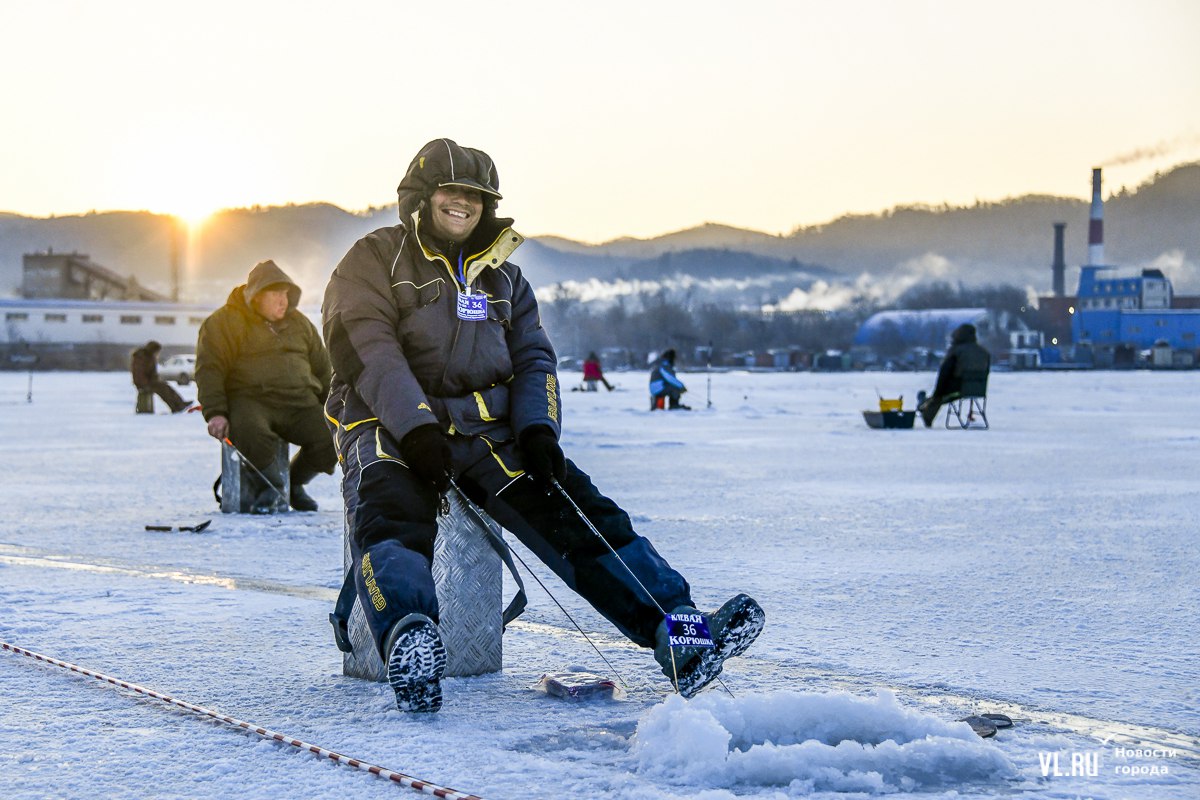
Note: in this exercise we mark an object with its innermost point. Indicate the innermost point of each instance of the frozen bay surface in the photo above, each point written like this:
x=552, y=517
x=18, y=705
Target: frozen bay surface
x=1045, y=568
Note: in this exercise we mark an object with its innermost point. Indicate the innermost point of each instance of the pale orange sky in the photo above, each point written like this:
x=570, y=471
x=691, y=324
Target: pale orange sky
x=633, y=119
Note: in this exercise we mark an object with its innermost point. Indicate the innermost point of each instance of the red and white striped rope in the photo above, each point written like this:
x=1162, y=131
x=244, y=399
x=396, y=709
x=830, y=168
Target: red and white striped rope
x=395, y=777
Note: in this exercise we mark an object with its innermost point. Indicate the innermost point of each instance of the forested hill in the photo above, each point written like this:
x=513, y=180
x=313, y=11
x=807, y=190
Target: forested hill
x=1009, y=241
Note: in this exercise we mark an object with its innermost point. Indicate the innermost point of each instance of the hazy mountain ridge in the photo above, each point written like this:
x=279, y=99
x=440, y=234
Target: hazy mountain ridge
x=1009, y=241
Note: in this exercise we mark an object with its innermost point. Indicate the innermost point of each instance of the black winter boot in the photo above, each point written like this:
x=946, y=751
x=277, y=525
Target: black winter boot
x=733, y=627
x=264, y=502
x=928, y=406
x=300, y=499
x=268, y=497
x=416, y=662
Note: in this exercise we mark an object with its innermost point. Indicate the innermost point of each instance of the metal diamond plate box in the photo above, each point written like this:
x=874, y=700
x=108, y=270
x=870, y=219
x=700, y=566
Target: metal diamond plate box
x=469, y=579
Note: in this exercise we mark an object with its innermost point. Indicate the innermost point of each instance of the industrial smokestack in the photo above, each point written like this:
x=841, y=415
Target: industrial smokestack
x=1060, y=265
x=1096, y=224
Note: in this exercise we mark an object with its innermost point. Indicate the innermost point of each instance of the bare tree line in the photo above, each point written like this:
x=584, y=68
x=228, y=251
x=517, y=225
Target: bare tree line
x=638, y=327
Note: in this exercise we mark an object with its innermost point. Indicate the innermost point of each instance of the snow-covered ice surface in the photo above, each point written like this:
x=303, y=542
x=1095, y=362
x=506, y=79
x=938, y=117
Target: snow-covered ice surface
x=1046, y=569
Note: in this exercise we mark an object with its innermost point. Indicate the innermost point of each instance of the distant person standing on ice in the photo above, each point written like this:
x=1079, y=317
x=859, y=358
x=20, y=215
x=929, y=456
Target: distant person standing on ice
x=593, y=374
x=664, y=386
x=262, y=373
x=143, y=368
x=442, y=371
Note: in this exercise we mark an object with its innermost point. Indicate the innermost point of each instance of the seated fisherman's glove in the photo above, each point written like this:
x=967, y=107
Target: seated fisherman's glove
x=427, y=453
x=543, y=457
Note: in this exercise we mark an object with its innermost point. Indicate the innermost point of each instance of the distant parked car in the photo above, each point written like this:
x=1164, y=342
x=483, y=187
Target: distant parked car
x=181, y=369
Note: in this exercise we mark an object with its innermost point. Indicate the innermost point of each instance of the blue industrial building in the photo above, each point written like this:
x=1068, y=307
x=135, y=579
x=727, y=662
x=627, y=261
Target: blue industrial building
x=1132, y=311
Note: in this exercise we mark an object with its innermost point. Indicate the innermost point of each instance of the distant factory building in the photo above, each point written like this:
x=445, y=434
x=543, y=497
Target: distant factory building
x=1116, y=315
x=76, y=314
x=96, y=334
x=92, y=334
x=1131, y=310
x=74, y=276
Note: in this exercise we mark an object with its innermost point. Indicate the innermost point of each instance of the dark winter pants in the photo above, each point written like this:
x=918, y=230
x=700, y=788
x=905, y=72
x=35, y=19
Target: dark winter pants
x=670, y=394
x=947, y=383
x=168, y=395
x=393, y=517
x=256, y=429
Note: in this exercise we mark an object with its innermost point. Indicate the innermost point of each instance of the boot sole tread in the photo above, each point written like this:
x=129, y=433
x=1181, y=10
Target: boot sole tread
x=745, y=624
x=416, y=665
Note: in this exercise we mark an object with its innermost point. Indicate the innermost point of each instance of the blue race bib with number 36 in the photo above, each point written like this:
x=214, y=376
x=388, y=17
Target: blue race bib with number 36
x=472, y=307
x=688, y=630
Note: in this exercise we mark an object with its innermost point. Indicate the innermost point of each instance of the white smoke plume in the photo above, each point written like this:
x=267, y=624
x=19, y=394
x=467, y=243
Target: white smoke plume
x=1163, y=148
x=821, y=296
x=874, y=289
x=595, y=290
x=772, y=293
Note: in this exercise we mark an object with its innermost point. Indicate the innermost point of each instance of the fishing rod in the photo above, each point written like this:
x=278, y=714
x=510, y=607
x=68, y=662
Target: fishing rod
x=486, y=525
x=621, y=561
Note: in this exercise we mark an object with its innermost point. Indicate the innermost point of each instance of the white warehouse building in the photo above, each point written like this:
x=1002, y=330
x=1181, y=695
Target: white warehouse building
x=95, y=334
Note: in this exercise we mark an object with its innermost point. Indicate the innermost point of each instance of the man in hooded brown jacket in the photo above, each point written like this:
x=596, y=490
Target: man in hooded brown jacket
x=262, y=374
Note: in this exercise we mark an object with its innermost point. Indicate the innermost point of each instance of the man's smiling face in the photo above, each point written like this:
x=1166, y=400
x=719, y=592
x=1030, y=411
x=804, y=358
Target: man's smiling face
x=454, y=212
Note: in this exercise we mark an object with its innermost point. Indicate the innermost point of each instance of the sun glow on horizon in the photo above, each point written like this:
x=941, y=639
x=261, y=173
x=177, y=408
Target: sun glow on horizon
x=189, y=169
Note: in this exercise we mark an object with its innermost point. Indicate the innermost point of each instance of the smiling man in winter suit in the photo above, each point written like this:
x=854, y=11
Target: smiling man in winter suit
x=442, y=370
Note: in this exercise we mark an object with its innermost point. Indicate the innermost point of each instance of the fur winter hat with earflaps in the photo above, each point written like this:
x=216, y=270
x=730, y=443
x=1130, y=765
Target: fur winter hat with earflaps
x=443, y=162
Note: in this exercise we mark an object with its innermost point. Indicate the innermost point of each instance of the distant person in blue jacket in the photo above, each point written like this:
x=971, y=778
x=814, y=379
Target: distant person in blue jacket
x=664, y=386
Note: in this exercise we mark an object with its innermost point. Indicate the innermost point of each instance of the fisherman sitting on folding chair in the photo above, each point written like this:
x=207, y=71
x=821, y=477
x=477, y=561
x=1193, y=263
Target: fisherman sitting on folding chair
x=962, y=378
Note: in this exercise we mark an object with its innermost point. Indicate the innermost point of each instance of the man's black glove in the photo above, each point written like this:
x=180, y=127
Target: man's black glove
x=427, y=453
x=543, y=457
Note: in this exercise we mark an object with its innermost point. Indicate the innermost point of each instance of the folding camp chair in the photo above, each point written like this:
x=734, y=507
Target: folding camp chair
x=968, y=406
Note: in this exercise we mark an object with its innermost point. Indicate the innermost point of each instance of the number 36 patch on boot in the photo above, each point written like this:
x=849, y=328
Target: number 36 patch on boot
x=688, y=630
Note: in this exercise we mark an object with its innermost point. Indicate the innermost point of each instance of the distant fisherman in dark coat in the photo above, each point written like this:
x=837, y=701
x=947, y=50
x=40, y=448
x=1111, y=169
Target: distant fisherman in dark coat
x=442, y=369
x=262, y=374
x=143, y=367
x=965, y=355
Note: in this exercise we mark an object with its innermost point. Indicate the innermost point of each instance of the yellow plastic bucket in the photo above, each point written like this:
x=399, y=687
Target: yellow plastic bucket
x=891, y=405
